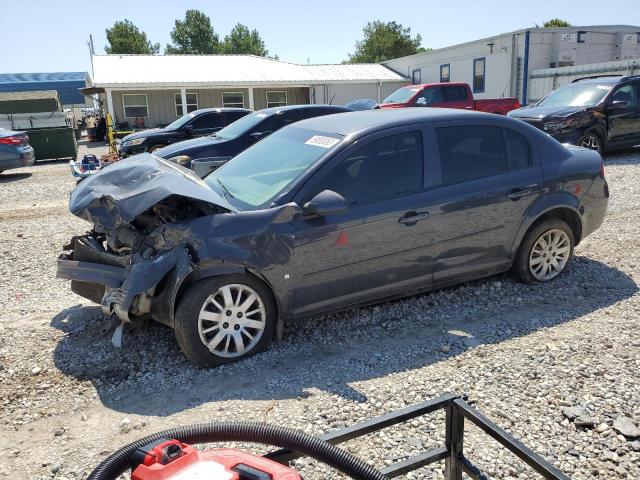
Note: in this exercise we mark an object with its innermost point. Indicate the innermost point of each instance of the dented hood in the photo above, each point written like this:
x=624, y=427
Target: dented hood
x=122, y=191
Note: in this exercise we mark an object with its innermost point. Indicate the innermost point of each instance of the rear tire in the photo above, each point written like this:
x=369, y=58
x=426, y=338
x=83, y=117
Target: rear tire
x=224, y=319
x=545, y=252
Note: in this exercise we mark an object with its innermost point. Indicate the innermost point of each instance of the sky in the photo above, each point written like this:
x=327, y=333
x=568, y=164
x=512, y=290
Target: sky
x=51, y=36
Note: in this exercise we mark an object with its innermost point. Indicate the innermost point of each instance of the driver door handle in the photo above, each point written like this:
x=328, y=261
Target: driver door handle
x=519, y=192
x=411, y=218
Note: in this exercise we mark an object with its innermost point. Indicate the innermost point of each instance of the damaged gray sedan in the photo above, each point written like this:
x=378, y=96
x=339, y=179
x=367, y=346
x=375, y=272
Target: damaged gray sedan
x=329, y=213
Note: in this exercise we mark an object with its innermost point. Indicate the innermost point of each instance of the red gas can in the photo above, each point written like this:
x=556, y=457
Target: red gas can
x=173, y=460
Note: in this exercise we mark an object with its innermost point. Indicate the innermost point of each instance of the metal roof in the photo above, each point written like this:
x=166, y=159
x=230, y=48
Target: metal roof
x=42, y=77
x=66, y=83
x=31, y=95
x=185, y=70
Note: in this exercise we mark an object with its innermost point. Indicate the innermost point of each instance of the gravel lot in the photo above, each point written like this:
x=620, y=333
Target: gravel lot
x=556, y=365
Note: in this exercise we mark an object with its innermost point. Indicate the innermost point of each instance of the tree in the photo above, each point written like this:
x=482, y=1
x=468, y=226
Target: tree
x=556, y=23
x=124, y=37
x=241, y=40
x=194, y=35
x=383, y=41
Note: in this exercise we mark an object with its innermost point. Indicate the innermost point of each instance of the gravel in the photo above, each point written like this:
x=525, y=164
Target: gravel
x=556, y=365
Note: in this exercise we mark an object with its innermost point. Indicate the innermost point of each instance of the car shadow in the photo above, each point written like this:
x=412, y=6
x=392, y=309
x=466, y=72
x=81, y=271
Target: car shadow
x=629, y=156
x=149, y=375
x=7, y=177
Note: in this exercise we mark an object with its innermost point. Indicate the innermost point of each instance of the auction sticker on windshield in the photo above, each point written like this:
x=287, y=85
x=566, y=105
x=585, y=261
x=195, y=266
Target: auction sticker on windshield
x=322, y=141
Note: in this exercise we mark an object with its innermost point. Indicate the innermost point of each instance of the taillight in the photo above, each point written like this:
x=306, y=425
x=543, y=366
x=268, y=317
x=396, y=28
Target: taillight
x=602, y=168
x=13, y=140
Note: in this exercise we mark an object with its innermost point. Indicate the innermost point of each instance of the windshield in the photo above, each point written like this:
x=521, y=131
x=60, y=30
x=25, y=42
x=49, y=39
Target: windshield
x=256, y=176
x=575, y=96
x=180, y=122
x=242, y=126
x=401, y=95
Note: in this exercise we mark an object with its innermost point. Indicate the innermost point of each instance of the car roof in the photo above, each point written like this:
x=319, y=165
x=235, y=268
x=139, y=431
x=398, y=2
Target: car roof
x=352, y=122
x=288, y=108
x=200, y=111
x=438, y=84
x=600, y=80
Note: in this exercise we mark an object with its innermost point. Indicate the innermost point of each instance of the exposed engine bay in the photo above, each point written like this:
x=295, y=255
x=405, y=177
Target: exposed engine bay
x=140, y=236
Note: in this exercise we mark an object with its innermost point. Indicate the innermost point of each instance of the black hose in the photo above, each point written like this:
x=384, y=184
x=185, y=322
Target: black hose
x=252, y=432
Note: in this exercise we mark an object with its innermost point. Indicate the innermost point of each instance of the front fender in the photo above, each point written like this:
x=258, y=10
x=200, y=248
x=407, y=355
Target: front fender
x=542, y=206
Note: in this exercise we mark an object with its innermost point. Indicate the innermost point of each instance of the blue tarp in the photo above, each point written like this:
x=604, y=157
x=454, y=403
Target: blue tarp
x=66, y=83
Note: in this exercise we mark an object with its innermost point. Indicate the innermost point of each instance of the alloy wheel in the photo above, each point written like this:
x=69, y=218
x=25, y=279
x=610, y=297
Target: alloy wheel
x=232, y=320
x=549, y=255
x=591, y=142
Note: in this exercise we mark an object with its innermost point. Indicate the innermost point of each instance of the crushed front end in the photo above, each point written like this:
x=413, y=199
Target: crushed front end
x=131, y=262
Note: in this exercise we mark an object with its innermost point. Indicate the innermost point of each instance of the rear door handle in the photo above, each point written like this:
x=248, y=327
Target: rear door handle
x=411, y=218
x=519, y=192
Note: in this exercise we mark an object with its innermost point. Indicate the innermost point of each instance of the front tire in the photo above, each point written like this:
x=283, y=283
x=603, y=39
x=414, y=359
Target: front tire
x=593, y=141
x=225, y=319
x=153, y=148
x=545, y=252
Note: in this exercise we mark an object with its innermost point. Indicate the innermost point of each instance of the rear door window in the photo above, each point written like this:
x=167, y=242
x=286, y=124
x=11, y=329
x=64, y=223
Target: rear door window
x=231, y=117
x=208, y=120
x=455, y=94
x=471, y=152
x=383, y=169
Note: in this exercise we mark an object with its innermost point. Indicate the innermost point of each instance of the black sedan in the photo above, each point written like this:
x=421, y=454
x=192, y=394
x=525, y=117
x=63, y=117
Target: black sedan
x=599, y=113
x=195, y=124
x=204, y=155
x=328, y=214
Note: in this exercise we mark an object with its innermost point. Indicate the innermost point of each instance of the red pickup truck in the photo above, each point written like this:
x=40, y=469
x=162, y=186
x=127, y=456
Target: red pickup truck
x=447, y=95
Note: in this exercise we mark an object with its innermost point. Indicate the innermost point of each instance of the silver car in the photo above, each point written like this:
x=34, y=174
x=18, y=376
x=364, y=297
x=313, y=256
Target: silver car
x=15, y=151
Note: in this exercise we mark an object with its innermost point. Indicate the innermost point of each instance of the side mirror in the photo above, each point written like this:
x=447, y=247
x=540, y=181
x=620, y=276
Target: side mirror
x=256, y=137
x=327, y=202
x=421, y=102
x=188, y=129
x=620, y=104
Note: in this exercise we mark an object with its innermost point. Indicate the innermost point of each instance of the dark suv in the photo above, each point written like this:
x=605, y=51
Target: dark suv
x=195, y=124
x=203, y=155
x=599, y=113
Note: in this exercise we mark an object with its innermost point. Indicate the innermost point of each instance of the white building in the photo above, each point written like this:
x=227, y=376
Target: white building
x=159, y=88
x=501, y=66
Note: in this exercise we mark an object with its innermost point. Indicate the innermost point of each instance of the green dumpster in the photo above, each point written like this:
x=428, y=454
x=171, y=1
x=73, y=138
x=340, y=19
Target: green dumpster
x=53, y=143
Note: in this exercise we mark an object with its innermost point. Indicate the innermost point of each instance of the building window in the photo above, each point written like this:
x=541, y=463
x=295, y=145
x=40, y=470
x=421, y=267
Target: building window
x=445, y=73
x=233, y=99
x=581, y=36
x=135, y=105
x=192, y=103
x=416, y=76
x=276, y=99
x=478, y=75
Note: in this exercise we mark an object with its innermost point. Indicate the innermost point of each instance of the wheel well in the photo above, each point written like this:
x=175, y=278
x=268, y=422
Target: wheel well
x=191, y=279
x=567, y=215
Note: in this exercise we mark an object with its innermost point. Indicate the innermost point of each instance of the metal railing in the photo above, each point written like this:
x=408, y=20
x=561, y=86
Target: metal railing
x=457, y=410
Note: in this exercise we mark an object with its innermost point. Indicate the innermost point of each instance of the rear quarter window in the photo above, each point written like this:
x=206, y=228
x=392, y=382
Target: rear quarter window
x=518, y=148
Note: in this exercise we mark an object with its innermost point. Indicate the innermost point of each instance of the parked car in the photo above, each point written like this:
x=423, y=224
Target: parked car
x=204, y=155
x=447, y=95
x=599, y=113
x=15, y=151
x=195, y=124
x=328, y=214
